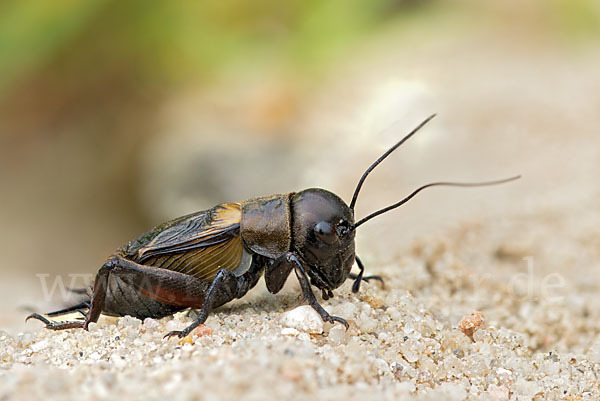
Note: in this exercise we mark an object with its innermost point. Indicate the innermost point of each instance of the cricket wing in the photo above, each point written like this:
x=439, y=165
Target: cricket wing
x=199, y=244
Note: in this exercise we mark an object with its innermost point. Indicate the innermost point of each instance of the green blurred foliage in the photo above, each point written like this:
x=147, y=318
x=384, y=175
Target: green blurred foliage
x=178, y=39
x=32, y=31
x=578, y=18
x=181, y=41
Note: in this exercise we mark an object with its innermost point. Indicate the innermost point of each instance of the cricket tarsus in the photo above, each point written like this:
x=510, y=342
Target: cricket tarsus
x=56, y=325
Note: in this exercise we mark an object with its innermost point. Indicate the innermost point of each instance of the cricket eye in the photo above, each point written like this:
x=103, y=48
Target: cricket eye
x=343, y=228
x=325, y=232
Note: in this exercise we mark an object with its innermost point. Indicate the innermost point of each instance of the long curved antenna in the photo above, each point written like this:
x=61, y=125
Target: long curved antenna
x=434, y=184
x=383, y=156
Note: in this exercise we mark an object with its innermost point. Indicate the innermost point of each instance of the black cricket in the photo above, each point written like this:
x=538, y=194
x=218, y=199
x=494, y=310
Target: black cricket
x=206, y=259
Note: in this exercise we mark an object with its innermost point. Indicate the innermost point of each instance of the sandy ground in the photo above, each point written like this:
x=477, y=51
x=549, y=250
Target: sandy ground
x=526, y=255
x=534, y=277
x=540, y=339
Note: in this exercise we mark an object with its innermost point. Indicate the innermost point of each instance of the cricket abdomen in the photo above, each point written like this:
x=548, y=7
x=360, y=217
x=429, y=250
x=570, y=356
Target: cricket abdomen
x=123, y=298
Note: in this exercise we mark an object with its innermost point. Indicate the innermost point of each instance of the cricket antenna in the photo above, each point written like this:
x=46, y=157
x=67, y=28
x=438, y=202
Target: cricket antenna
x=382, y=157
x=434, y=184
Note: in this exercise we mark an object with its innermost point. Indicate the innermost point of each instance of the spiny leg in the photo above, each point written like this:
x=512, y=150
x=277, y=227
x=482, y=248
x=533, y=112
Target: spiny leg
x=224, y=288
x=56, y=325
x=160, y=284
x=170, y=288
x=166, y=286
x=95, y=306
x=359, y=277
x=79, y=291
x=309, y=295
x=61, y=325
x=74, y=308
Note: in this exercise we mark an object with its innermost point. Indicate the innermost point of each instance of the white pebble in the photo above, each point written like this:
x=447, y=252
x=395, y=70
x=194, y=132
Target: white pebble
x=337, y=334
x=409, y=350
x=504, y=375
x=346, y=310
x=289, y=331
x=150, y=323
x=526, y=388
x=26, y=339
x=303, y=318
x=498, y=393
x=366, y=324
x=128, y=321
x=382, y=366
x=37, y=347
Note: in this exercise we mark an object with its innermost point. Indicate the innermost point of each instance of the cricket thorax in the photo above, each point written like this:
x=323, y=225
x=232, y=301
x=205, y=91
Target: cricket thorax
x=266, y=225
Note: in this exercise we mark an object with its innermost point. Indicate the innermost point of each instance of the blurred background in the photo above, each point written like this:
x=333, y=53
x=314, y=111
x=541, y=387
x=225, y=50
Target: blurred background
x=116, y=116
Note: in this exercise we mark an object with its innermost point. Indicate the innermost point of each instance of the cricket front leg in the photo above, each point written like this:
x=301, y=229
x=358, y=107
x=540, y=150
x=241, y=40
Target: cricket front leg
x=359, y=277
x=308, y=294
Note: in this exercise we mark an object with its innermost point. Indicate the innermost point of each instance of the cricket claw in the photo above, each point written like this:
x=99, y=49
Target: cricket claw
x=333, y=319
x=177, y=333
x=40, y=318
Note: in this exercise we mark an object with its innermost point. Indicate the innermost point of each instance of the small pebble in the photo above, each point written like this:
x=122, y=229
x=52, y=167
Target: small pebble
x=303, y=318
x=337, y=334
x=174, y=325
x=290, y=331
x=128, y=321
x=202, y=330
x=498, y=393
x=150, y=323
x=37, y=347
x=471, y=323
x=366, y=323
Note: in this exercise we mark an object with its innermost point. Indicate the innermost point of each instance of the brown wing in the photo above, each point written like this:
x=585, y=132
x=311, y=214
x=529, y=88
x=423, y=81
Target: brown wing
x=199, y=244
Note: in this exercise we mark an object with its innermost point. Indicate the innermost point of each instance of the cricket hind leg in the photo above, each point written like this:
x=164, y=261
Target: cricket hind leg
x=174, y=290
x=94, y=305
x=170, y=288
x=73, y=308
x=74, y=324
x=81, y=291
x=144, y=291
